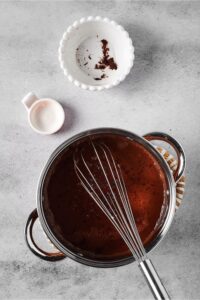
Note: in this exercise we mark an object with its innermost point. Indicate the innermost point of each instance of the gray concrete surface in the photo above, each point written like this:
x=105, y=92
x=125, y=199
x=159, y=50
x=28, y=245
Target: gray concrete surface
x=161, y=93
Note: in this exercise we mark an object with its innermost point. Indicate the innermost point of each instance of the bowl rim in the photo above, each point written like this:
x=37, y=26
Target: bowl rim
x=67, y=33
x=117, y=262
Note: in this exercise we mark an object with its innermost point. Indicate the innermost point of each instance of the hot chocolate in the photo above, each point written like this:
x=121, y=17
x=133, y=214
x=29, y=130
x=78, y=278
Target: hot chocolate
x=76, y=220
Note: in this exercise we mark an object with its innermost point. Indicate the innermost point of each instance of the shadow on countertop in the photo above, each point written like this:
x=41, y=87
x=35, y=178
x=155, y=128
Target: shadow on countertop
x=147, y=56
x=70, y=117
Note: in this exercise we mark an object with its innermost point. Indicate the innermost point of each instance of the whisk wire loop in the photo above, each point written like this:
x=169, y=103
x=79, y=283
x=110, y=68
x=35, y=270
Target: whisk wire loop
x=114, y=203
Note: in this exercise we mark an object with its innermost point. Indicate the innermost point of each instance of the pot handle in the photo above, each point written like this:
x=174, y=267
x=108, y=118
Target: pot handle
x=160, y=136
x=50, y=256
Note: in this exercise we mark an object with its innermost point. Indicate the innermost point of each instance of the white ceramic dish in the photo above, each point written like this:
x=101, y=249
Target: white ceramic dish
x=81, y=50
x=45, y=116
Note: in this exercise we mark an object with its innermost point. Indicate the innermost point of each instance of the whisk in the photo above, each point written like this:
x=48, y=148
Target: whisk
x=102, y=178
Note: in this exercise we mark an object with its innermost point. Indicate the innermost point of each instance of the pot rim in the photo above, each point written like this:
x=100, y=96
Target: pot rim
x=171, y=186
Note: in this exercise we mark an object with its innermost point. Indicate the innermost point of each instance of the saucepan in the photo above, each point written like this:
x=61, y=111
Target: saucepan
x=64, y=251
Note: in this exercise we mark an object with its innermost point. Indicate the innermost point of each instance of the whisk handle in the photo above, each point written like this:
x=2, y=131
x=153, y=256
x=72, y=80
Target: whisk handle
x=158, y=290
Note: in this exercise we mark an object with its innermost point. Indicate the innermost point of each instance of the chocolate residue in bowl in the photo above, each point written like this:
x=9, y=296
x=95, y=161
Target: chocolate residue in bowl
x=102, y=77
x=106, y=61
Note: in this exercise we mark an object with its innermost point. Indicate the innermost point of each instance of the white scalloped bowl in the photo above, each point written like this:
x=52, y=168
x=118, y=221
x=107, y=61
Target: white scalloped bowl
x=81, y=49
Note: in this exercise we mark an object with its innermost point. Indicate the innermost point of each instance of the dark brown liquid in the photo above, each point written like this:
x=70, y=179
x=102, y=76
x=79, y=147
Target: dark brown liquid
x=77, y=221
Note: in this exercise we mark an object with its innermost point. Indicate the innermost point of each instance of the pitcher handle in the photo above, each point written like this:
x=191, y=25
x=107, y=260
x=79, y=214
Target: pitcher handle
x=160, y=136
x=50, y=256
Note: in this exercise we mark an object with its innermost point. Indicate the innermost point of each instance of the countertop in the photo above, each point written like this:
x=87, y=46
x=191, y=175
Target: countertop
x=160, y=94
